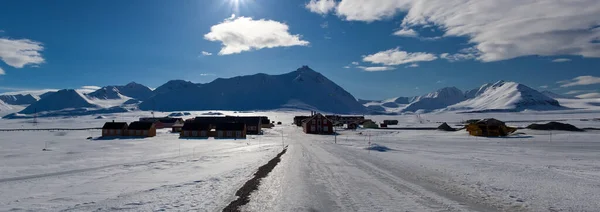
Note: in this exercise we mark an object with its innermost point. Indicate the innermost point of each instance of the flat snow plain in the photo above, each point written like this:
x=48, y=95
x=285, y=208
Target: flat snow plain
x=421, y=171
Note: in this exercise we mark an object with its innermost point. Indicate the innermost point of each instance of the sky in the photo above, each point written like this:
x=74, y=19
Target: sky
x=374, y=49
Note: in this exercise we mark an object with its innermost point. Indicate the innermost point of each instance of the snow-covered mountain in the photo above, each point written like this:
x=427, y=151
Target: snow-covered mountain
x=132, y=90
x=557, y=96
x=109, y=92
x=477, y=91
x=303, y=88
x=173, y=85
x=135, y=90
x=62, y=99
x=439, y=99
x=19, y=99
x=507, y=96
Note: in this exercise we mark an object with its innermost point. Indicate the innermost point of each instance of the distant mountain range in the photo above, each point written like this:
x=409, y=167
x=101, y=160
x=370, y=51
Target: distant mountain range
x=499, y=96
x=303, y=88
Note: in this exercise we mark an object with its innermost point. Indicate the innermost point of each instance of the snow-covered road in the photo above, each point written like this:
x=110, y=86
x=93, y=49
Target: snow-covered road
x=425, y=173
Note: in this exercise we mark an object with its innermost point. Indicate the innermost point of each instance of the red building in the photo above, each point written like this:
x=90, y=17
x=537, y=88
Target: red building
x=317, y=124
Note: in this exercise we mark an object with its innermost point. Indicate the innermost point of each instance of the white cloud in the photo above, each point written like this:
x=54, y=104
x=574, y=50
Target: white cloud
x=18, y=53
x=396, y=57
x=462, y=55
x=346, y=67
x=245, y=34
x=91, y=87
x=376, y=68
x=499, y=29
x=207, y=74
x=439, y=82
x=321, y=6
x=355, y=63
x=325, y=25
x=372, y=10
x=577, y=92
x=561, y=60
x=406, y=32
x=88, y=89
x=544, y=86
x=580, y=80
x=2, y=71
x=414, y=65
x=205, y=53
x=589, y=96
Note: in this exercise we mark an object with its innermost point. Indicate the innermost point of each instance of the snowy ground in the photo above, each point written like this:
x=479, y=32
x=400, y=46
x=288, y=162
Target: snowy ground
x=422, y=171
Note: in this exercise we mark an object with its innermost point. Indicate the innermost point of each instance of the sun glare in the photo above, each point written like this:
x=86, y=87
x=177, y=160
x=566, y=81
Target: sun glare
x=235, y=5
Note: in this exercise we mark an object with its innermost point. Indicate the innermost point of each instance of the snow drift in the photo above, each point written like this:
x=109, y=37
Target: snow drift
x=507, y=96
x=302, y=89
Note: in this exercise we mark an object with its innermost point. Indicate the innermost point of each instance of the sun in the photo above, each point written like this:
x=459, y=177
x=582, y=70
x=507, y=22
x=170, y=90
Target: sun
x=235, y=5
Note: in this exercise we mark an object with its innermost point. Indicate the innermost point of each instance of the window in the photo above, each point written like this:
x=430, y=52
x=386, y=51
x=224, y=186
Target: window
x=186, y=133
x=118, y=132
x=238, y=134
x=112, y=132
x=312, y=128
x=313, y=121
x=105, y=131
x=229, y=134
x=139, y=132
x=325, y=129
x=203, y=133
x=194, y=133
x=145, y=132
x=220, y=134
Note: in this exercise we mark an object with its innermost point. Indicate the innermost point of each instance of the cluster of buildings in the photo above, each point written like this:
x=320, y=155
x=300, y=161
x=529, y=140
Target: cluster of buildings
x=318, y=123
x=199, y=127
x=224, y=126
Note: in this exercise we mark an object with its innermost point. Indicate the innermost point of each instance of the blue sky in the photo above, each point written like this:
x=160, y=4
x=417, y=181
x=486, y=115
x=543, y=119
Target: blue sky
x=399, y=47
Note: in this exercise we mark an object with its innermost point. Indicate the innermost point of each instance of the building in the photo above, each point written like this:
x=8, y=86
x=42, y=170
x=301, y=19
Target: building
x=369, y=124
x=176, y=128
x=195, y=130
x=169, y=122
x=141, y=129
x=489, y=127
x=253, y=124
x=230, y=130
x=162, y=122
x=352, y=126
x=317, y=124
x=298, y=120
x=114, y=129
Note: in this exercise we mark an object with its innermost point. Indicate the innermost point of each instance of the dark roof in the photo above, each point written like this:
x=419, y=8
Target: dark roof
x=195, y=126
x=140, y=125
x=115, y=125
x=230, y=126
x=213, y=119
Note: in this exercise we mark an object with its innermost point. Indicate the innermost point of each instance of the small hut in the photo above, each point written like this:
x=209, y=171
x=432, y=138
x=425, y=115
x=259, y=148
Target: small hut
x=489, y=128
